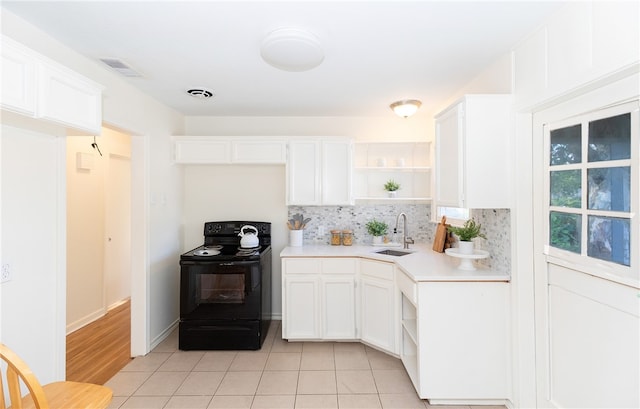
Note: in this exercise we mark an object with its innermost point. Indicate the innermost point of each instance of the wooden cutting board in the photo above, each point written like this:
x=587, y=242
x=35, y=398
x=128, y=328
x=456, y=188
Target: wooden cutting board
x=440, y=237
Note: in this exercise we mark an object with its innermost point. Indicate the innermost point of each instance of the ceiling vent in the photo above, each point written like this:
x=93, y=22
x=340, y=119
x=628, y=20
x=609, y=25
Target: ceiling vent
x=120, y=67
x=200, y=93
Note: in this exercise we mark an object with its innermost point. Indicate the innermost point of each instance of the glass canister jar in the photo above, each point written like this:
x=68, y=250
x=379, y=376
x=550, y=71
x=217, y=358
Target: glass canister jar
x=335, y=237
x=347, y=237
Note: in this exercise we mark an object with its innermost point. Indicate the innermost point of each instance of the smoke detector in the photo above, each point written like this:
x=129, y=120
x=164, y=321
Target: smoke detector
x=200, y=93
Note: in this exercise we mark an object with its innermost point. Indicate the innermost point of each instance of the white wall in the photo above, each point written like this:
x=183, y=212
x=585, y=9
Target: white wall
x=156, y=212
x=33, y=209
x=85, y=234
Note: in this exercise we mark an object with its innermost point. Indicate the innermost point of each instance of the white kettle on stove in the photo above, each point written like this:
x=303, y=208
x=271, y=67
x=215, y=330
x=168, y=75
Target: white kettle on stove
x=248, y=239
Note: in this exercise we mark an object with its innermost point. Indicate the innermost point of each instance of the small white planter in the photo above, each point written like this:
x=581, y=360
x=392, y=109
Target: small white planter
x=377, y=239
x=465, y=247
x=392, y=193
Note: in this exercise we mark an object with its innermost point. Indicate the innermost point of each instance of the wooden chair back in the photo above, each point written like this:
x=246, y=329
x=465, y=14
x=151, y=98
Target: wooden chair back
x=55, y=395
x=17, y=371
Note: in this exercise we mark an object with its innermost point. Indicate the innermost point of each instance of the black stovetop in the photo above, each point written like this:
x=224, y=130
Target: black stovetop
x=224, y=253
x=222, y=242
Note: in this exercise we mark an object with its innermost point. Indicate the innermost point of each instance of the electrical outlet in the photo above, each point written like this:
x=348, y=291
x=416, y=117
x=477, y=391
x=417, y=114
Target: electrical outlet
x=5, y=274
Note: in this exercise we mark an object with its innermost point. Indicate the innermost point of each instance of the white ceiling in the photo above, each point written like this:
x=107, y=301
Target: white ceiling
x=376, y=52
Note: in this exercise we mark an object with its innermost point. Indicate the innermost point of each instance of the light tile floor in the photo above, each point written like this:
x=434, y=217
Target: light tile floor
x=280, y=375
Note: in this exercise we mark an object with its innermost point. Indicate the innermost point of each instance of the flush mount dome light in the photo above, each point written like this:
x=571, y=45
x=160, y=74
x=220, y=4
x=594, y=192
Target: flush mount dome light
x=292, y=49
x=406, y=107
x=200, y=93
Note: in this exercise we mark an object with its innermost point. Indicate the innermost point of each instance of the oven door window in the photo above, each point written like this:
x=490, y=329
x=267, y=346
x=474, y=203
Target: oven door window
x=220, y=288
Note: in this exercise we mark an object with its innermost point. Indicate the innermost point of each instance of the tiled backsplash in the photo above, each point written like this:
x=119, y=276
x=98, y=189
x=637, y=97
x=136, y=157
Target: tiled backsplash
x=495, y=225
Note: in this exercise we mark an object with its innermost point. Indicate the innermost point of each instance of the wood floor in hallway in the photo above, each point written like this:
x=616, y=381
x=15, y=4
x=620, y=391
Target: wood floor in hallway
x=99, y=350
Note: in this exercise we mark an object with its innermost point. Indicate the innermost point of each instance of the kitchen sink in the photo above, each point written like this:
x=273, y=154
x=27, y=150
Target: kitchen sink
x=393, y=252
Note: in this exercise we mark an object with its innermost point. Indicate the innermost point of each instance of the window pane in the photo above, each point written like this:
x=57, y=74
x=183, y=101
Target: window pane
x=609, y=239
x=610, y=138
x=566, y=188
x=566, y=146
x=565, y=231
x=609, y=188
x=453, y=213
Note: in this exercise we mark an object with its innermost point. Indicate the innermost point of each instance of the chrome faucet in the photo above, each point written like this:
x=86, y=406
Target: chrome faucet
x=406, y=240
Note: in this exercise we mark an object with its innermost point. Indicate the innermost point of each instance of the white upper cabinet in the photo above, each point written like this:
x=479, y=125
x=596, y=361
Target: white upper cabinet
x=229, y=150
x=472, y=153
x=69, y=98
x=18, y=78
x=319, y=172
x=39, y=87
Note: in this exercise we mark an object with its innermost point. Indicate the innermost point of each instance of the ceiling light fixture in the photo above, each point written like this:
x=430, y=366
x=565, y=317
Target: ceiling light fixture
x=406, y=107
x=292, y=49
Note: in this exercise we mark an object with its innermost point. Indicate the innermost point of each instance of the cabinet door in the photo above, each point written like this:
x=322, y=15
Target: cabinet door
x=378, y=313
x=486, y=155
x=202, y=150
x=301, y=312
x=69, y=98
x=338, y=307
x=303, y=173
x=18, y=78
x=259, y=151
x=464, y=333
x=448, y=158
x=337, y=173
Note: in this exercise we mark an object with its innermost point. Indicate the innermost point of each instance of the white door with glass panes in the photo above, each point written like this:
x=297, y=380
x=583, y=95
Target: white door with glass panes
x=586, y=231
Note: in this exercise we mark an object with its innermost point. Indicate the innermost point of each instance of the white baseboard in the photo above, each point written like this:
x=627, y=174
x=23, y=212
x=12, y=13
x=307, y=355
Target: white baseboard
x=96, y=315
x=118, y=303
x=164, y=334
x=86, y=320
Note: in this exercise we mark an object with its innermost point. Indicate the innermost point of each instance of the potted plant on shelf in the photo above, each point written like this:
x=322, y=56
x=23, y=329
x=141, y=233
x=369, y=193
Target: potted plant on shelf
x=391, y=187
x=377, y=230
x=470, y=230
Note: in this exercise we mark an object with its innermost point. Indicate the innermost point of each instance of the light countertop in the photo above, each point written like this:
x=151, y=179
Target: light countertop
x=423, y=264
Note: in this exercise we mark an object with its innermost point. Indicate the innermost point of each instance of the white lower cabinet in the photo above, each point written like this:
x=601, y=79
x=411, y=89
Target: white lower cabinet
x=319, y=298
x=302, y=303
x=378, y=305
x=338, y=307
x=455, y=346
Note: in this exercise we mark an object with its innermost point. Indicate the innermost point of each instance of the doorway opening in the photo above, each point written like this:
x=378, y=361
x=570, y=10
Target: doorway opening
x=99, y=272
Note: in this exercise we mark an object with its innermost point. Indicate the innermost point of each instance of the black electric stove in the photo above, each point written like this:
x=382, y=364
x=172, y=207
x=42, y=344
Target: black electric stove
x=225, y=289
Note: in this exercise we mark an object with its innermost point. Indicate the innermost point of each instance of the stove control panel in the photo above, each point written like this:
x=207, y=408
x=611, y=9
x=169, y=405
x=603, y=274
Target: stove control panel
x=212, y=229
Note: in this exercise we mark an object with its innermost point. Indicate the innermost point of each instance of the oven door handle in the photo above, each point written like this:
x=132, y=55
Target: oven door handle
x=237, y=263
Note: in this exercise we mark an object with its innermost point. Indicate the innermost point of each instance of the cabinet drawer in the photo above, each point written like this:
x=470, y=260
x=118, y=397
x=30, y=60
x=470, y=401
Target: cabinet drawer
x=378, y=269
x=339, y=266
x=301, y=266
x=407, y=286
